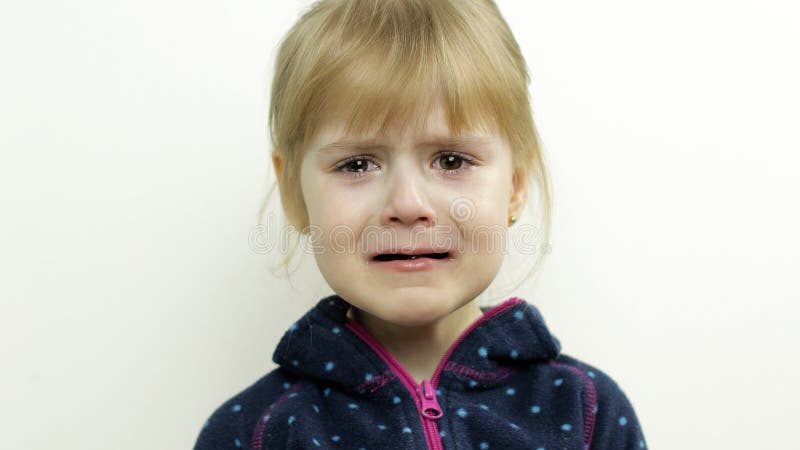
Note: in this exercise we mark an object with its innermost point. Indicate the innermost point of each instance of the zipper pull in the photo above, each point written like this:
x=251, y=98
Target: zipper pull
x=430, y=407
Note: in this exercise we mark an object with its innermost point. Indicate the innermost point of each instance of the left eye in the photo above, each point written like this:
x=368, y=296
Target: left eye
x=452, y=162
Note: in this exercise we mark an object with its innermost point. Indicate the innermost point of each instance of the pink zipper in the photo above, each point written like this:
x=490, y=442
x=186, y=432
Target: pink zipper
x=424, y=394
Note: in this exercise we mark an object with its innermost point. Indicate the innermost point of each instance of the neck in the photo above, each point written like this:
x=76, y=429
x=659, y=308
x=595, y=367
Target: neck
x=419, y=349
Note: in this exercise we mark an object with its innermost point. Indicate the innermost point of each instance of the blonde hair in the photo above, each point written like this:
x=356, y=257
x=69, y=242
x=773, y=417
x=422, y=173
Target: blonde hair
x=383, y=63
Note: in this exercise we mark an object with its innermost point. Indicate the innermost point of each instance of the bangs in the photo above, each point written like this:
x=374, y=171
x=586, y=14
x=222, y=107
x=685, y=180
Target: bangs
x=388, y=66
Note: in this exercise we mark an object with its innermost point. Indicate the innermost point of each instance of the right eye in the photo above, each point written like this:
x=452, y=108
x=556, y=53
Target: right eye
x=356, y=166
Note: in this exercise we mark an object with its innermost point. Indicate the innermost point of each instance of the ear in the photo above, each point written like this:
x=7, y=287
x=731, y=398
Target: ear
x=519, y=193
x=276, y=163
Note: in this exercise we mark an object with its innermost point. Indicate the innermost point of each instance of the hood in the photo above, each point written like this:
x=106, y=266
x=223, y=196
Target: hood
x=321, y=345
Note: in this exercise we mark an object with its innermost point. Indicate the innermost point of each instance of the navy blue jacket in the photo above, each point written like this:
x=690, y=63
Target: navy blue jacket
x=503, y=385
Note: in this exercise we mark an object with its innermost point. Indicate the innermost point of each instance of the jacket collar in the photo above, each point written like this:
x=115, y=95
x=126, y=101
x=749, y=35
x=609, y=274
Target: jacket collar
x=320, y=346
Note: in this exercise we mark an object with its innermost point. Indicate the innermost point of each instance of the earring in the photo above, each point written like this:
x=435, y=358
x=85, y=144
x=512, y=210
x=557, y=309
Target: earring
x=512, y=220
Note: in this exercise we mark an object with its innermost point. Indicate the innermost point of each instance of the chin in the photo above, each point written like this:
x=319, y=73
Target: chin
x=414, y=311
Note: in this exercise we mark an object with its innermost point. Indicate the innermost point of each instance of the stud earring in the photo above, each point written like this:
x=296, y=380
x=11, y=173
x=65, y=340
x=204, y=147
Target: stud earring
x=512, y=220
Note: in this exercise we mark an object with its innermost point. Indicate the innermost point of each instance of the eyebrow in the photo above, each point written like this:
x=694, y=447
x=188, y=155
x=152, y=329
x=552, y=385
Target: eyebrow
x=454, y=142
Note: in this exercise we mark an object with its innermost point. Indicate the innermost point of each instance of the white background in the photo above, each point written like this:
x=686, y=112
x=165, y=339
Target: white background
x=135, y=156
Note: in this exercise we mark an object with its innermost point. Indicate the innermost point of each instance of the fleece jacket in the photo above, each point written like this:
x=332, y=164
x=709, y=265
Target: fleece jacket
x=503, y=384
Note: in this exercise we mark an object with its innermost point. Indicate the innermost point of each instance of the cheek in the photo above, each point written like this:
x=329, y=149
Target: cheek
x=333, y=225
x=335, y=212
x=318, y=200
x=485, y=204
x=486, y=231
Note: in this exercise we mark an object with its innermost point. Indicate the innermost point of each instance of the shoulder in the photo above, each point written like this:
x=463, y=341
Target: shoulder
x=232, y=423
x=608, y=412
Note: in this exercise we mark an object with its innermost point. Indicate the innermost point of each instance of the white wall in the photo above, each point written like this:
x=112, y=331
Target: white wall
x=134, y=158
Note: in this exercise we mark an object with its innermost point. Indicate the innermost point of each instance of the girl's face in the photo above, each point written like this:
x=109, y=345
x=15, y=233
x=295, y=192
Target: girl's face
x=409, y=191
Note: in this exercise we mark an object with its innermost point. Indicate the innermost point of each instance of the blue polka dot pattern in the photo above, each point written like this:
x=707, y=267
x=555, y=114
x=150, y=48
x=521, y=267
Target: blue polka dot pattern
x=237, y=442
x=461, y=412
x=623, y=421
x=236, y=408
x=558, y=381
x=483, y=446
x=329, y=366
x=396, y=400
x=566, y=427
x=483, y=352
x=536, y=409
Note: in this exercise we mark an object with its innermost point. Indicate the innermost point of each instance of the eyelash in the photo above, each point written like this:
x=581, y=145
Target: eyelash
x=343, y=165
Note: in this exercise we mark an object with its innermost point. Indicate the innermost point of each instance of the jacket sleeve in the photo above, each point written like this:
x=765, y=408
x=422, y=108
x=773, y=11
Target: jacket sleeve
x=616, y=424
x=231, y=425
x=223, y=429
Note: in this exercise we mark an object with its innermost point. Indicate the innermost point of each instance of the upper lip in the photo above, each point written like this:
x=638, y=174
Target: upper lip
x=417, y=251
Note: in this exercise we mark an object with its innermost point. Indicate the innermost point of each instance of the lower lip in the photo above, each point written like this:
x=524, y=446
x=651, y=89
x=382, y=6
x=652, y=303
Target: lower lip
x=412, y=265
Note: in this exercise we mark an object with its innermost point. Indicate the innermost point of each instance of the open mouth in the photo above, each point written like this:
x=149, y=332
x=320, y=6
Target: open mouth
x=395, y=256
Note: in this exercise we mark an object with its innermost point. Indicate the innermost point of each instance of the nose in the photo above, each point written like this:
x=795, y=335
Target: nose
x=407, y=200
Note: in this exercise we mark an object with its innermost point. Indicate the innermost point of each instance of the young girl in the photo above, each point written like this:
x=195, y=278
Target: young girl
x=404, y=148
